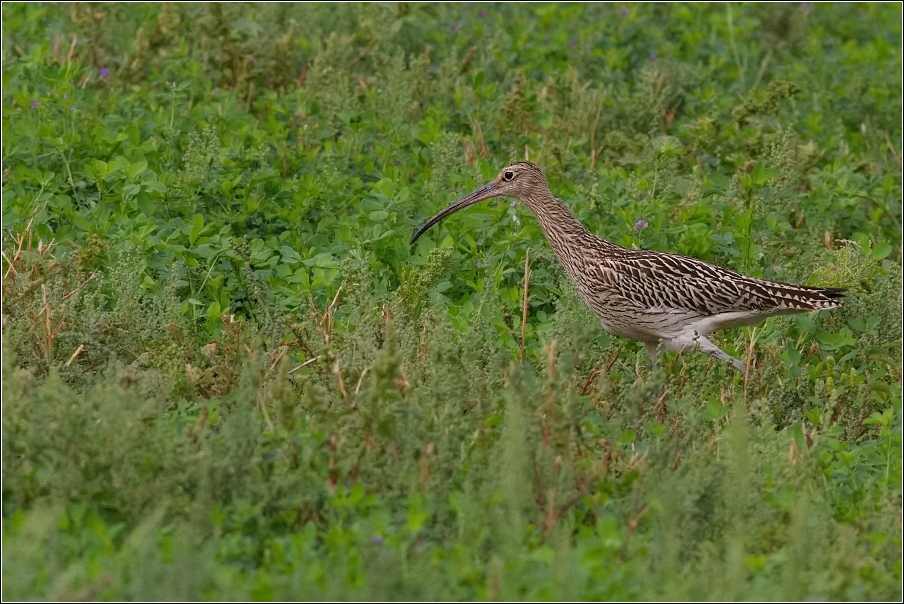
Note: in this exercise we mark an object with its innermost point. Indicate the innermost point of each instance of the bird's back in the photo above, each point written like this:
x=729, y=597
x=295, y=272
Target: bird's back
x=666, y=292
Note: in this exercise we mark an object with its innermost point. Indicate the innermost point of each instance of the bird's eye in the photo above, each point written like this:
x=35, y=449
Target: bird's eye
x=508, y=176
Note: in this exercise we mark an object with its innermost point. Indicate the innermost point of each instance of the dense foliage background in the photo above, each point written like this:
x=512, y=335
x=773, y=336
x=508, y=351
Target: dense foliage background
x=226, y=374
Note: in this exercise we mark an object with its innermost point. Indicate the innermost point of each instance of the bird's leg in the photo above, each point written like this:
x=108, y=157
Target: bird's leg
x=653, y=351
x=705, y=345
x=697, y=342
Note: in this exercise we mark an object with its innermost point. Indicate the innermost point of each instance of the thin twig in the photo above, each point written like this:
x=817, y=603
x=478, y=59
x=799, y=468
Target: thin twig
x=466, y=61
x=71, y=53
x=584, y=388
x=891, y=148
x=749, y=359
x=361, y=56
x=361, y=379
x=328, y=315
x=279, y=355
x=263, y=409
x=305, y=364
x=635, y=518
x=48, y=325
x=76, y=290
x=75, y=355
x=338, y=375
x=595, y=153
x=10, y=267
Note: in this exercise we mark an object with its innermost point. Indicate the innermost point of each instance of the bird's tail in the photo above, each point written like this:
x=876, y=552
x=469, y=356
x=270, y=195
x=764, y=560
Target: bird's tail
x=801, y=297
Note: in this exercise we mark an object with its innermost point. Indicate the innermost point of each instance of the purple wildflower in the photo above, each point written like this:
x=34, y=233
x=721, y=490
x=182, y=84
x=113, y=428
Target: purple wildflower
x=104, y=73
x=455, y=29
x=653, y=56
x=35, y=104
x=805, y=6
x=482, y=14
x=640, y=225
x=377, y=540
x=624, y=11
x=573, y=43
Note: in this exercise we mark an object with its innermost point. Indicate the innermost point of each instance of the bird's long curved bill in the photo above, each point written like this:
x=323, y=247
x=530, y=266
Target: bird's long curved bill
x=484, y=192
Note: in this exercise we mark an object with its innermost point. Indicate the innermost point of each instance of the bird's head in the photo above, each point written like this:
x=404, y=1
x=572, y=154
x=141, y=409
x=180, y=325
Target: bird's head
x=519, y=180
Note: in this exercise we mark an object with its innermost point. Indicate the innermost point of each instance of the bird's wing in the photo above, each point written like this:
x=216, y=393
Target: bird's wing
x=669, y=281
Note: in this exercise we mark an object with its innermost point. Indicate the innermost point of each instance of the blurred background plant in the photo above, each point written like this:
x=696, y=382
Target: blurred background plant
x=221, y=357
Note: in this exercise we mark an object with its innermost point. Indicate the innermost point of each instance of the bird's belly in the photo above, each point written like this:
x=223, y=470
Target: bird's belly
x=626, y=319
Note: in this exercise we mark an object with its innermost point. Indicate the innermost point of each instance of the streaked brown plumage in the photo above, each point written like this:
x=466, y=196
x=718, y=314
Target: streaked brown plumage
x=664, y=300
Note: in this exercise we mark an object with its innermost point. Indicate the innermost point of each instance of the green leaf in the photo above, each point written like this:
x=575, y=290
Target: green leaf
x=213, y=311
x=207, y=250
x=627, y=437
x=146, y=204
x=857, y=324
x=881, y=250
x=134, y=169
x=154, y=186
x=719, y=180
x=417, y=515
x=805, y=323
x=762, y=175
x=322, y=260
x=289, y=254
x=196, y=228
x=98, y=168
x=492, y=420
x=833, y=341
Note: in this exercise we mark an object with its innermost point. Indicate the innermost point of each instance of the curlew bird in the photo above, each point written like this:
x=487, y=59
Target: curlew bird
x=666, y=301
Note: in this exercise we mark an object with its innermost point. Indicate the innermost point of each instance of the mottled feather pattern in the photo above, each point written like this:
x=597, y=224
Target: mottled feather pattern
x=657, y=279
x=665, y=300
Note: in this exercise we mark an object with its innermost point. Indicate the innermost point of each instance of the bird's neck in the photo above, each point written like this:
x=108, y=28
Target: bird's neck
x=554, y=216
x=568, y=238
x=564, y=232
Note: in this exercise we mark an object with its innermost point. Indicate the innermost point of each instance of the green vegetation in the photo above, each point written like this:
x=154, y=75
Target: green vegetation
x=226, y=374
